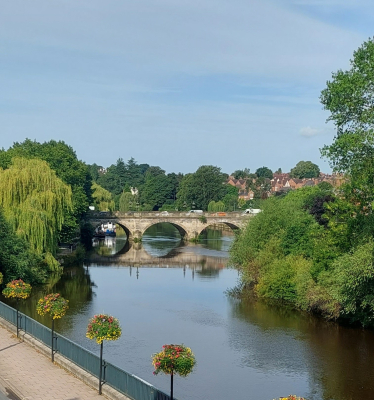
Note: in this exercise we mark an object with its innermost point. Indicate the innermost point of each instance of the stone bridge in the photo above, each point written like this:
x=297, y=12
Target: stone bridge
x=189, y=226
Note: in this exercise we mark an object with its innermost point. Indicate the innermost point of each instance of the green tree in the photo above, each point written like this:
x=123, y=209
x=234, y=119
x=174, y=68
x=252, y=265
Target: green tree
x=198, y=189
x=103, y=200
x=114, y=178
x=135, y=173
x=305, y=169
x=63, y=160
x=231, y=198
x=17, y=261
x=284, y=253
x=95, y=171
x=349, y=98
x=260, y=187
x=264, y=172
x=35, y=202
x=351, y=282
x=241, y=173
x=127, y=202
x=349, y=95
x=175, y=180
x=157, y=188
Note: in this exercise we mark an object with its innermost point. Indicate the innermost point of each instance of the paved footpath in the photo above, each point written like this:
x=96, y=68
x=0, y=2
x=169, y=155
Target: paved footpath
x=26, y=374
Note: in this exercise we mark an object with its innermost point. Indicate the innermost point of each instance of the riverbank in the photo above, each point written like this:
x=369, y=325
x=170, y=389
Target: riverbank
x=27, y=373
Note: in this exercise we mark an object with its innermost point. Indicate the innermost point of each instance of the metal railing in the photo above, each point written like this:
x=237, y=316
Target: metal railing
x=126, y=383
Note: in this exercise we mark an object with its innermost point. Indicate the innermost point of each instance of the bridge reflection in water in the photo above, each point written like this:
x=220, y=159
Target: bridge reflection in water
x=189, y=257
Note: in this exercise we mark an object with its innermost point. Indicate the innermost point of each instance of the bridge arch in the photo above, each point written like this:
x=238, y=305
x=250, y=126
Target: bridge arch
x=97, y=222
x=126, y=229
x=233, y=227
x=182, y=230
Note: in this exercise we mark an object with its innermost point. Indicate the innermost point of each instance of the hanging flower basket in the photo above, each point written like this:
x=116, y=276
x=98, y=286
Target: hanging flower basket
x=52, y=304
x=103, y=327
x=174, y=359
x=17, y=289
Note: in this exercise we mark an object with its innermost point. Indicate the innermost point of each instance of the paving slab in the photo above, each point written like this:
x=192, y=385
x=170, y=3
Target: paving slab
x=26, y=374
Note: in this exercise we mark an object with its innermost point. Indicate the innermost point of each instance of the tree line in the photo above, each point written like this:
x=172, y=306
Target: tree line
x=46, y=191
x=313, y=248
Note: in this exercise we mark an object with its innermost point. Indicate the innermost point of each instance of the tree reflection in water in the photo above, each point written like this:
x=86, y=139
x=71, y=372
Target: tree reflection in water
x=74, y=284
x=338, y=359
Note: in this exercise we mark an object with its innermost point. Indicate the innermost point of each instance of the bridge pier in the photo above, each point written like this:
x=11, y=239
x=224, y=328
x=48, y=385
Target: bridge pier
x=135, y=236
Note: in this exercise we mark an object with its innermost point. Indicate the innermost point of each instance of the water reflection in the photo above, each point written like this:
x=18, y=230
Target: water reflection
x=245, y=349
x=162, y=247
x=74, y=284
x=161, y=239
x=337, y=359
x=164, y=240
x=110, y=245
x=217, y=238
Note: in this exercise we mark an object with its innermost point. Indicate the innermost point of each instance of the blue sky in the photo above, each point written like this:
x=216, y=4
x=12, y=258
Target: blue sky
x=176, y=84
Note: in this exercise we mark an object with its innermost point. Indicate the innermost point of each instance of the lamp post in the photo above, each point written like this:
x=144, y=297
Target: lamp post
x=173, y=359
x=56, y=306
x=18, y=290
x=103, y=327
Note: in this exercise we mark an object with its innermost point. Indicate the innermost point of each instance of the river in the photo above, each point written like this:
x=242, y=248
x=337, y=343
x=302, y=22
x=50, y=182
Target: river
x=164, y=291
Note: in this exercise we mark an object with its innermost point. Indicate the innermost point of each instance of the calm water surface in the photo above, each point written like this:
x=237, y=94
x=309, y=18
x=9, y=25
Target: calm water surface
x=165, y=292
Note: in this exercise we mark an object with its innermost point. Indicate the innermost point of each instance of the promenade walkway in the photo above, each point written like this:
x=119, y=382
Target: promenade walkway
x=26, y=374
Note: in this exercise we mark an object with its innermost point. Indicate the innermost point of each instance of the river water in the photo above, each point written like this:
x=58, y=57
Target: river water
x=165, y=292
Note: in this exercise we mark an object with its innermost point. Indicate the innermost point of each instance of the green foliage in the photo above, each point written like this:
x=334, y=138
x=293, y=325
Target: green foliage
x=121, y=175
x=197, y=190
x=62, y=159
x=349, y=95
x=349, y=98
x=87, y=231
x=147, y=207
x=314, y=247
x=305, y=169
x=264, y=172
x=203, y=219
x=157, y=188
x=216, y=206
x=16, y=258
x=241, y=173
x=284, y=252
x=95, y=171
x=102, y=199
x=127, y=202
x=351, y=282
x=35, y=202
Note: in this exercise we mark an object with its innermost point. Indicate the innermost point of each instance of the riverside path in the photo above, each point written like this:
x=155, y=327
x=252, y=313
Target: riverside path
x=27, y=374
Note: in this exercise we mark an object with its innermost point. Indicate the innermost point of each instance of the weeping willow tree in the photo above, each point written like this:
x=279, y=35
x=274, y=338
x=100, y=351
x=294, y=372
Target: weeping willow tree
x=103, y=200
x=127, y=202
x=35, y=201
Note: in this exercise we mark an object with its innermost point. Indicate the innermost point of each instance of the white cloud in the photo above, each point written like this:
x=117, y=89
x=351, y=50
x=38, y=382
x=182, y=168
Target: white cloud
x=308, y=131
